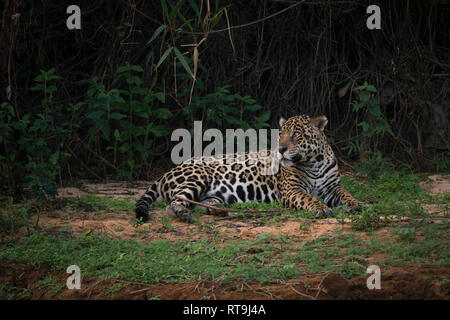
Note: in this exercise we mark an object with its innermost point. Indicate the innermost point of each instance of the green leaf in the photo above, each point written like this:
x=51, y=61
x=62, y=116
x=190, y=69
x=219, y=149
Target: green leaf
x=371, y=88
x=158, y=131
x=364, y=125
x=195, y=8
x=37, y=87
x=96, y=115
x=137, y=68
x=165, y=9
x=122, y=69
x=54, y=158
x=253, y=107
x=185, y=21
x=216, y=20
x=160, y=96
x=162, y=113
x=175, y=9
x=364, y=97
x=117, y=116
x=264, y=117
x=183, y=61
x=164, y=56
x=156, y=33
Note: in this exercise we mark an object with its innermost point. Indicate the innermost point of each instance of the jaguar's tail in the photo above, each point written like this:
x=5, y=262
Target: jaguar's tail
x=143, y=204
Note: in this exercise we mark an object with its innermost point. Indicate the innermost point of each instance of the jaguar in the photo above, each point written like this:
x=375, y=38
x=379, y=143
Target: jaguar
x=308, y=174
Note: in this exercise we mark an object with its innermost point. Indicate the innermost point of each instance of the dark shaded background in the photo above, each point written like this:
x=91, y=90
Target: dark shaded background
x=308, y=59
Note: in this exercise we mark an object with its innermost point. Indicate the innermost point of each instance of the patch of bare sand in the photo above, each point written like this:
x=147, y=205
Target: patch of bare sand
x=438, y=184
x=298, y=229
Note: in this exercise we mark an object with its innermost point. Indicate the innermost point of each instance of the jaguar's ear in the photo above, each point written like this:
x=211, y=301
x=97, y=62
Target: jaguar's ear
x=319, y=122
x=282, y=121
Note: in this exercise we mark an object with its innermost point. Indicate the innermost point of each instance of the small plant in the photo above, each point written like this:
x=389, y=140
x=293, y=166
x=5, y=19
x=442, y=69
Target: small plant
x=34, y=158
x=26, y=217
x=441, y=162
x=374, y=163
x=368, y=220
x=8, y=220
x=138, y=222
x=304, y=226
x=11, y=220
x=166, y=225
x=373, y=130
x=341, y=216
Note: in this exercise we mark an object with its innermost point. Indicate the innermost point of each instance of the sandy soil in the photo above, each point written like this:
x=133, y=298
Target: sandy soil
x=438, y=184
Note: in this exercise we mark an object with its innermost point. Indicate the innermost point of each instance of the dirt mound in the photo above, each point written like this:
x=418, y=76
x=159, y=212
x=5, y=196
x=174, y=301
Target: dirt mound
x=420, y=282
x=401, y=283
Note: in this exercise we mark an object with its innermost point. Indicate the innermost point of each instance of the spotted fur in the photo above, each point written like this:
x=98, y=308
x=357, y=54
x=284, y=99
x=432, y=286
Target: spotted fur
x=308, y=172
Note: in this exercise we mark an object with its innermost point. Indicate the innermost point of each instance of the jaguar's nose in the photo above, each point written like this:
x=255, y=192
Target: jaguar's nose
x=282, y=149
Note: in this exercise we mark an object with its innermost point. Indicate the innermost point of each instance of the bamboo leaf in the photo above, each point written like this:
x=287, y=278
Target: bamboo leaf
x=183, y=61
x=175, y=9
x=165, y=9
x=156, y=33
x=164, y=56
x=195, y=8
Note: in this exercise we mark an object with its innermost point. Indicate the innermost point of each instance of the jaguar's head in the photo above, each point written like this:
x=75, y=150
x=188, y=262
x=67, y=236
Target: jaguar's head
x=301, y=140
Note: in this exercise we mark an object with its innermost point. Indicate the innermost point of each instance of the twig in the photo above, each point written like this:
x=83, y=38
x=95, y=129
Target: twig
x=141, y=290
x=302, y=294
x=320, y=284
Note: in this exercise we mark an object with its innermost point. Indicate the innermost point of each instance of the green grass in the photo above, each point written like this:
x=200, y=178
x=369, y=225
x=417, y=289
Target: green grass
x=431, y=247
x=160, y=260
x=394, y=195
